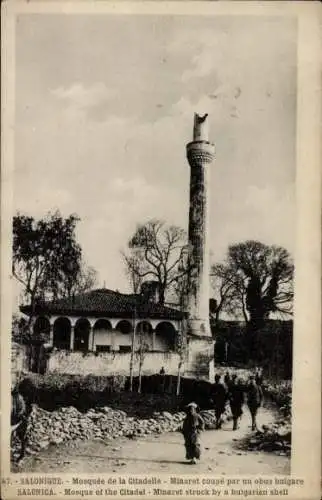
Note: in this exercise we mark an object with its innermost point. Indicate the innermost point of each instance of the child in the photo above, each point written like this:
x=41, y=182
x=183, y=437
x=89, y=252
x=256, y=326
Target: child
x=192, y=426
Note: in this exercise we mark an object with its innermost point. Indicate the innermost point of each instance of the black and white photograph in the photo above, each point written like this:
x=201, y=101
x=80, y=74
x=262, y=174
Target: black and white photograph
x=153, y=248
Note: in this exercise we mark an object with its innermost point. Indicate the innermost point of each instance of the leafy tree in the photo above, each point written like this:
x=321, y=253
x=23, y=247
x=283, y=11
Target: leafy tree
x=134, y=268
x=47, y=260
x=19, y=329
x=86, y=279
x=256, y=280
x=155, y=250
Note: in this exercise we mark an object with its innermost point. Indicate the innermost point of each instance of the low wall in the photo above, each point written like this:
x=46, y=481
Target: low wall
x=114, y=363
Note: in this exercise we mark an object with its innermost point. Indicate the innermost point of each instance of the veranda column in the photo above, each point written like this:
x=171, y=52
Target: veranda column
x=153, y=340
x=72, y=336
x=91, y=336
x=51, y=332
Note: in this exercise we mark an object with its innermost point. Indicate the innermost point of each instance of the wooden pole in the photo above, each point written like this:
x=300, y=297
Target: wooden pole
x=132, y=350
x=141, y=354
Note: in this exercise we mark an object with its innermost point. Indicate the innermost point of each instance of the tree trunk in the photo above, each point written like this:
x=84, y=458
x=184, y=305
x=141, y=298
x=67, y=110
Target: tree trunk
x=217, y=317
x=244, y=312
x=29, y=329
x=162, y=294
x=140, y=376
x=132, y=358
x=140, y=382
x=253, y=327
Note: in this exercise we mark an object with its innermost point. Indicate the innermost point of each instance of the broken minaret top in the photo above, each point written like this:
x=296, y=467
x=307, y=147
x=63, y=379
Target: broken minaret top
x=200, y=128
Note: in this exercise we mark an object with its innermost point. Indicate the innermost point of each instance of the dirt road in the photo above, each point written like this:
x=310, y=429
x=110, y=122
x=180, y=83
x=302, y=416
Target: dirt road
x=162, y=453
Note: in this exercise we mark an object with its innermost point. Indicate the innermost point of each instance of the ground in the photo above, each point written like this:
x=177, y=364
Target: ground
x=162, y=453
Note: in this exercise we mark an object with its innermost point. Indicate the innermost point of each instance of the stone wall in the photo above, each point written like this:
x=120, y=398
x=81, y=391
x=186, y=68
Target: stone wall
x=114, y=363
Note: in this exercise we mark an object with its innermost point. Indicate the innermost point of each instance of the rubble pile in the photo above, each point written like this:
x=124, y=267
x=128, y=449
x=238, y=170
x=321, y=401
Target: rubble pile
x=276, y=437
x=209, y=417
x=45, y=428
x=52, y=428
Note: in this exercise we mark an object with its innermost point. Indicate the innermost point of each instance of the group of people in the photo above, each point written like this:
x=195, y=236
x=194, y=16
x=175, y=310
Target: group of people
x=237, y=393
x=233, y=391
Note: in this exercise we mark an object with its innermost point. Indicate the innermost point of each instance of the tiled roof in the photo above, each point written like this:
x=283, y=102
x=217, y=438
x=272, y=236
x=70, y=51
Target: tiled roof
x=104, y=302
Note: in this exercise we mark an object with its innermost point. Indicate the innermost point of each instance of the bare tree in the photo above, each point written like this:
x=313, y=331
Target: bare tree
x=155, y=251
x=135, y=269
x=143, y=349
x=230, y=291
x=256, y=280
x=133, y=338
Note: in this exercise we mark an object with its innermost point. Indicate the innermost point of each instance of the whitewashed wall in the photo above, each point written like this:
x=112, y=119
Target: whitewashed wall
x=77, y=363
x=115, y=338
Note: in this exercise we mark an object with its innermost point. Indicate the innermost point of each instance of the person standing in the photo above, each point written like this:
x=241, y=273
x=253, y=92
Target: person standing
x=254, y=400
x=20, y=412
x=227, y=379
x=236, y=400
x=219, y=398
x=259, y=376
x=193, y=424
x=162, y=380
x=233, y=380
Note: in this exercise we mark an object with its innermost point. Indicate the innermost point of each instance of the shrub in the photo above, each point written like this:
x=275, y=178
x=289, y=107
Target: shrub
x=281, y=394
x=53, y=390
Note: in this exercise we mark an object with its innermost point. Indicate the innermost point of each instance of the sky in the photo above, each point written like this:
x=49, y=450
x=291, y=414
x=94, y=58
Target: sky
x=104, y=110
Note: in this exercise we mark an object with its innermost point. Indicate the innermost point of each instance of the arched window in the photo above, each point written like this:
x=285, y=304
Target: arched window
x=165, y=336
x=124, y=327
x=62, y=329
x=103, y=335
x=103, y=324
x=81, y=334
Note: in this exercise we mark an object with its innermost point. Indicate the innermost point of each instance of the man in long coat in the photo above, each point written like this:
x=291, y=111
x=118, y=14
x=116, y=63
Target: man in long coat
x=254, y=400
x=219, y=396
x=236, y=398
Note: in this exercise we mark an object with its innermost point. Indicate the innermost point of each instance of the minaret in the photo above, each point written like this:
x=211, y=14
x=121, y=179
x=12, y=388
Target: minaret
x=200, y=154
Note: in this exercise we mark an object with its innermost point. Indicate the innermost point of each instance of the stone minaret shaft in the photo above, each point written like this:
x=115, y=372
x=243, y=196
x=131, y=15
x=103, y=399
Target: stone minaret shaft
x=200, y=154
